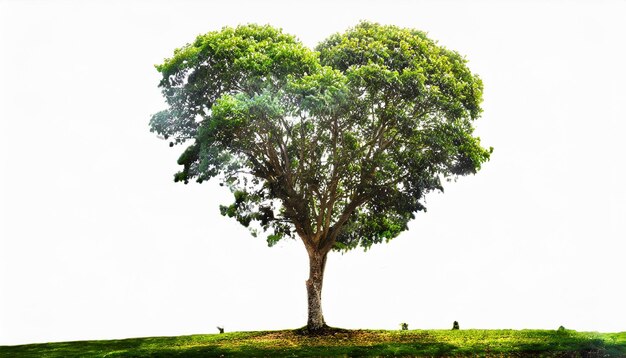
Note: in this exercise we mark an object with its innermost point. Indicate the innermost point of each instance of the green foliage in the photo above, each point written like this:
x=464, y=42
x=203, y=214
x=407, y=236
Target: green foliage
x=337, y=145
x=357, y=343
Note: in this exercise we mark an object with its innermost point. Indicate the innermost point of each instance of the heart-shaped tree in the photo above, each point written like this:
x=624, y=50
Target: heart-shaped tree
x=336, y=146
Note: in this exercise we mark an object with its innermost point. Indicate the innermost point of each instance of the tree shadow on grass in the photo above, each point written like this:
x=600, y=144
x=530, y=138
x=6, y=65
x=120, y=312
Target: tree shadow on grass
x=378, y=350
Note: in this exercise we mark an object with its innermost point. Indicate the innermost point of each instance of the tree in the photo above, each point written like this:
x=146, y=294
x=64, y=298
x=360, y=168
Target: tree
x=336, y=146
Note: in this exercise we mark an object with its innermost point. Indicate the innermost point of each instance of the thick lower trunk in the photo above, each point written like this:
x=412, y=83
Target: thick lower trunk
x=317, y=262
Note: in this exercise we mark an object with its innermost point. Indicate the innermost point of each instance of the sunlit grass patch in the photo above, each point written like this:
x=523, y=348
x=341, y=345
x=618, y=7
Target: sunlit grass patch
x=344, y=343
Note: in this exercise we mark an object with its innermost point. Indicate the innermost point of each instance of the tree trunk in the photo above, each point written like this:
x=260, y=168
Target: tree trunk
x=317, y=262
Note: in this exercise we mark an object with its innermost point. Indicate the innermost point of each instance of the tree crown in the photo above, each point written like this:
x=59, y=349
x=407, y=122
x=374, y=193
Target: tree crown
x=337, y=145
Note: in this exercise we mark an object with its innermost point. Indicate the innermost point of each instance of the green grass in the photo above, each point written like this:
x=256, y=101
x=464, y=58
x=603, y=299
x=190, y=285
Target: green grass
x=345, y=343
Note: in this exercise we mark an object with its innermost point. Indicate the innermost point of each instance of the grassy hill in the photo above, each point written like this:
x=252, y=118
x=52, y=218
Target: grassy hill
x=359, y=343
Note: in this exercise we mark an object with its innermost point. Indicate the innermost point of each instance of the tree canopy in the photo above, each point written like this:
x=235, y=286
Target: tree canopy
x=336, y=145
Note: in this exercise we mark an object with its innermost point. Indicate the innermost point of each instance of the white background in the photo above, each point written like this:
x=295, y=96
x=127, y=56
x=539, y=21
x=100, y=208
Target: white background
x=97, y=241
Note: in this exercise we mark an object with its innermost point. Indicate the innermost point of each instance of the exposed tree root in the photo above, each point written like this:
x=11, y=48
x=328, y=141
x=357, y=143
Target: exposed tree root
x=323, y=331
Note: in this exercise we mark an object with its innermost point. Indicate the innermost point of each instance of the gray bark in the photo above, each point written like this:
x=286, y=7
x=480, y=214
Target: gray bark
x=317, y=263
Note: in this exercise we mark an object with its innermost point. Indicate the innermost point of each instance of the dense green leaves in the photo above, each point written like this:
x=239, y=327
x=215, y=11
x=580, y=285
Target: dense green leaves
x=337, y=145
